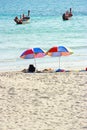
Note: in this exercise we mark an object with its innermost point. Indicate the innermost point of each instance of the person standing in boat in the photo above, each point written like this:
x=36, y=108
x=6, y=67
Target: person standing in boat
x=23, y=16
x=67, y=14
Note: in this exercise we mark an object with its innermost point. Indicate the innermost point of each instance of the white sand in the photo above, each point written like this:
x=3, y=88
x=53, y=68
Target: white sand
x=43, y=101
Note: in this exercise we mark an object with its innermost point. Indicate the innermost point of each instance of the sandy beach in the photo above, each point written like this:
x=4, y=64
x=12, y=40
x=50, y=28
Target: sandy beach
x=43, y=101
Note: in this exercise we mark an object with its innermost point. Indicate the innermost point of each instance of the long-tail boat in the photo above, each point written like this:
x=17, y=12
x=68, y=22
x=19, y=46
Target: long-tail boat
x=23, y=19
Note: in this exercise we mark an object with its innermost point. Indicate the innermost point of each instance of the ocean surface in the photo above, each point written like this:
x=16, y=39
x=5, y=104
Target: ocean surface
x=45, y=30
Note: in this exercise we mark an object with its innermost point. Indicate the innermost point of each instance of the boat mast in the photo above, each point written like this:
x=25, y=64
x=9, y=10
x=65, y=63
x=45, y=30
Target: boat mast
x=28, y=12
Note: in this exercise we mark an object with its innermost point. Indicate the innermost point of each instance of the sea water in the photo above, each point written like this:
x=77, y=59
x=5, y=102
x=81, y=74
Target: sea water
x=45, y=30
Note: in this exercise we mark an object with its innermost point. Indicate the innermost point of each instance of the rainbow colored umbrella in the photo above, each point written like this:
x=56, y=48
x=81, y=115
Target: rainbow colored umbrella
x=33, y=53
x=58, y=51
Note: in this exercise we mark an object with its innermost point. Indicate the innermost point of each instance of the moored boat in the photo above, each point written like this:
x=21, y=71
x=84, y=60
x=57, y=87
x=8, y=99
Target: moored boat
x=67, y=15
x=24, y=19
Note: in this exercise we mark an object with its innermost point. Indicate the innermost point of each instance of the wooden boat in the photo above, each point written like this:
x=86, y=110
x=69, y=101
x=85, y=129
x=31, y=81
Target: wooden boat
x=67, y=15
x=24, y=19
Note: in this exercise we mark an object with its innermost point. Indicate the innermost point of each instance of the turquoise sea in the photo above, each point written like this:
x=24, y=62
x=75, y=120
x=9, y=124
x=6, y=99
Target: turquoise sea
x=45, y=30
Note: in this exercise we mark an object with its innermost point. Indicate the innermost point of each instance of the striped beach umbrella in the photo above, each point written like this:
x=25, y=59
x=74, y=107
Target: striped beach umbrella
x=58, y=51
x=33, y=53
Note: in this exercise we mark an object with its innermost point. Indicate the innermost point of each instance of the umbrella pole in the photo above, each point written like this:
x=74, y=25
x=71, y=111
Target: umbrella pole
x=35, y=62
x=59, y=62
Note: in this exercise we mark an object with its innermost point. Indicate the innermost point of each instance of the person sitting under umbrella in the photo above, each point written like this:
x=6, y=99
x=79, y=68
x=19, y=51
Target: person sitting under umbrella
x=31, y=68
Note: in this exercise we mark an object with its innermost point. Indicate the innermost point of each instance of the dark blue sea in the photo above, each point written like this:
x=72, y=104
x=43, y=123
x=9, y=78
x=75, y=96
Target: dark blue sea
x=45, y=30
